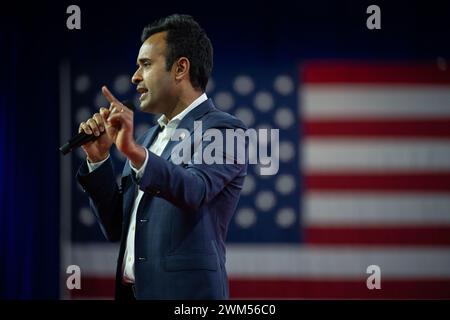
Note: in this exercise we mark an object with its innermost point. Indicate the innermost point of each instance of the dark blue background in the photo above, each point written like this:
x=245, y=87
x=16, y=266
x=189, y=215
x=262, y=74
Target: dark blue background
x=34, y=38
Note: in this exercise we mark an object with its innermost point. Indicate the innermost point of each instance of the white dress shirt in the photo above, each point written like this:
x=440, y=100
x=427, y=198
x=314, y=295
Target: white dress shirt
x=157, y=147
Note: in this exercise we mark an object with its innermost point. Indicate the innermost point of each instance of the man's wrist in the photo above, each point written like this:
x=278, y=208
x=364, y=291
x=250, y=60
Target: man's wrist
x=95, y=159
x=137, y=156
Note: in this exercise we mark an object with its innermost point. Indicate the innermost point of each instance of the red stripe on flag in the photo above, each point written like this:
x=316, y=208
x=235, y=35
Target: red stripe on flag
x=95, y=287
x=376, y=73
x=286, y=288
x=386, y=235
x=263, y=288
x=408, y=181
x=373, y=128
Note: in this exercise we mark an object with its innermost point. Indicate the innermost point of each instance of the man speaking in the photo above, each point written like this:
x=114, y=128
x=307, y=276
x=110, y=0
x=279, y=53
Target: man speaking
x=170, y=218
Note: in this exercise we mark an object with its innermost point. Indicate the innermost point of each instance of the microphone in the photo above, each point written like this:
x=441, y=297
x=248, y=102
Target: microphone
x=81, y=138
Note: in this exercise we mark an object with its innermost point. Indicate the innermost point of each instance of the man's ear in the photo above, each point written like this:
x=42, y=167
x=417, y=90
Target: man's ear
x=182, y=67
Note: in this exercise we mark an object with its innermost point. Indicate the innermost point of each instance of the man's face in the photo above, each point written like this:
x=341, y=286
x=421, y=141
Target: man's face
x=154, y=83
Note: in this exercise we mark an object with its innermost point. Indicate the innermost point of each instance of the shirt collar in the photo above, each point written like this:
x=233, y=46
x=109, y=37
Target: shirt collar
x=162, y=121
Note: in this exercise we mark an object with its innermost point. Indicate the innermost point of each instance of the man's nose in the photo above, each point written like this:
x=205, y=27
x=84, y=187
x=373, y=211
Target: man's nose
x=136, y=78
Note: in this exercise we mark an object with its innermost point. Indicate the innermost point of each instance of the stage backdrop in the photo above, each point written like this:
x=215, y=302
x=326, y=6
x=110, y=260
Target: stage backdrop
x=364, y=180
x=364, y=144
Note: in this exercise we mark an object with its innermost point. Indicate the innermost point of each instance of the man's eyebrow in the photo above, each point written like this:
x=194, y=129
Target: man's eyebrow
x=143, y=60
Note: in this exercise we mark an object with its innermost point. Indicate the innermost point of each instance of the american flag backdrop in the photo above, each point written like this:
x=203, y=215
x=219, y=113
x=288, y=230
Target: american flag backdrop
x=364, y=179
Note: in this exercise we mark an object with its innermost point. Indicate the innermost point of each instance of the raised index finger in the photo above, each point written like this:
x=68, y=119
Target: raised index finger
x=108, y=95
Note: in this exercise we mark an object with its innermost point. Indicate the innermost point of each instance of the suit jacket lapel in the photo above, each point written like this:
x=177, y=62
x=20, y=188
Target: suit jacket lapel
x=188, y=123
x=151, y=136
x=130, y=193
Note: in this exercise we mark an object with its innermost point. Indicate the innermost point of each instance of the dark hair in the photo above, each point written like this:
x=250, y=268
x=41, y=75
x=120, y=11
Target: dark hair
x=185, y=38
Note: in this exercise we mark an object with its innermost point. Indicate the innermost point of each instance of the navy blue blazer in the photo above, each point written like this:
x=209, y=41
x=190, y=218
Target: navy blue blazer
x=182, y=219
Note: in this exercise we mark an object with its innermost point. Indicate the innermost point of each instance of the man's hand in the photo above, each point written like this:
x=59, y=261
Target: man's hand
x=97, y=150
x=119, y=126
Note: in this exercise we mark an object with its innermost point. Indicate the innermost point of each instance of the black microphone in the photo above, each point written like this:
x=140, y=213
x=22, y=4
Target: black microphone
x=81, y=138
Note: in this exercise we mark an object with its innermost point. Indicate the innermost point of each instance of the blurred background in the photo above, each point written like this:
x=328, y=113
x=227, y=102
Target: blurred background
x=364, y=120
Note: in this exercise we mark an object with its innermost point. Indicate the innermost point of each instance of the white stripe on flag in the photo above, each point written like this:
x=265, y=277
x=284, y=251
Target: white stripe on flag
x=339, y=101
x=372, y=209
x=294, y=261
x=336, y=262
x=376, y=155
x=96, y=259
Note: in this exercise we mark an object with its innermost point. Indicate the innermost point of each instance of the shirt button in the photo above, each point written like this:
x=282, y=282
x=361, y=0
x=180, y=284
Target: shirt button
x=129, y=259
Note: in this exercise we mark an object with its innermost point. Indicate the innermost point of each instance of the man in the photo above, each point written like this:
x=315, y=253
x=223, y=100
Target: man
x=171, y=219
